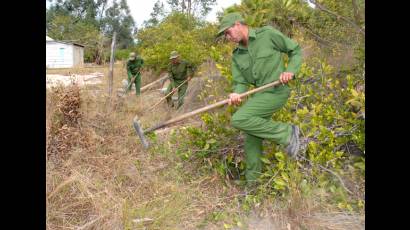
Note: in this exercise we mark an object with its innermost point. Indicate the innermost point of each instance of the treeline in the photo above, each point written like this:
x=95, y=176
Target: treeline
x=333, y=25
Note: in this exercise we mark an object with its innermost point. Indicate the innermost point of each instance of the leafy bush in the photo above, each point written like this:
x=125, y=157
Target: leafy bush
x=328, y=109
x=122, y=54
x=176, y=32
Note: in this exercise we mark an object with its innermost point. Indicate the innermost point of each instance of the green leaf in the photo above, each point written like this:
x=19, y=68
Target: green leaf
x=206, y=146
x=265, y=160
x=279, y=184
x=211, y=141
x=285, y=176
x=354, y=93
x=279, y=156
x=360, y=165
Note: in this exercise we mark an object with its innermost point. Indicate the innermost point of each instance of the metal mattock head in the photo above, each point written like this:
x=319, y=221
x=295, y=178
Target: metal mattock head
x=140, y=132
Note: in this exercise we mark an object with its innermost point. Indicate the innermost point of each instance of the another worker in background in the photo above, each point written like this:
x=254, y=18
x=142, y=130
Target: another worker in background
x=134, y=65
x=178, y=71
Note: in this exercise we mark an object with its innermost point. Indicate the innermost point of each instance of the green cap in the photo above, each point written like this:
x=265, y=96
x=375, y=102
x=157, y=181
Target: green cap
x=228, y=21
x=132, y=56
x=174, y=54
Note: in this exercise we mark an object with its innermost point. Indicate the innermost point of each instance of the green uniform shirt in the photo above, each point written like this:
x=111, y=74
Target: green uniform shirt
x=261, y=62
x=179, y=72
x=134, y=66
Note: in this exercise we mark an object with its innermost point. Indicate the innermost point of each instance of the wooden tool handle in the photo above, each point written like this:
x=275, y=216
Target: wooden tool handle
x=209, y=107
x=167, y=95
x=153, y=83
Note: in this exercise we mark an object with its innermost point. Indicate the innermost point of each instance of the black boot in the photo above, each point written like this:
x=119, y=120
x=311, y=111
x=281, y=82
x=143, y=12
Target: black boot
x=294, y=145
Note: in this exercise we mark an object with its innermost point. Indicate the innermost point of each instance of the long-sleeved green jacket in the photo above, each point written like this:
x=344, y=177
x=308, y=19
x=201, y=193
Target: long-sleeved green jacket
x=261, y=62
x=179, y=72
x=134, y=66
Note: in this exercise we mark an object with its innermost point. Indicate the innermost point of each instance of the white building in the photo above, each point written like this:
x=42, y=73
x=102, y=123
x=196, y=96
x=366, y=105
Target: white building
x=63, y=54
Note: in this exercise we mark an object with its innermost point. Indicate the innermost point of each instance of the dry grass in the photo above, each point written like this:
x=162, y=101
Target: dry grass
x=110, y=182
x=106, y=180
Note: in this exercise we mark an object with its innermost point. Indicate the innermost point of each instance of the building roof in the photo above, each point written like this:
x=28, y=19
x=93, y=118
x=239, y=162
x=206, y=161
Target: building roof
x=48, y=39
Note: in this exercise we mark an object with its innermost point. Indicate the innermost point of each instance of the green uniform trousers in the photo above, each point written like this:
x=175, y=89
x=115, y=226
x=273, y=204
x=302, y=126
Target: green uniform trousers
x=181, y=92
x=137, y=83
x=255, y=119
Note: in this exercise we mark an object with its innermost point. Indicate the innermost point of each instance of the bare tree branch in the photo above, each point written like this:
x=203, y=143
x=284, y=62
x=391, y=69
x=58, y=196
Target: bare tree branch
x=329, y=171
x=338, y=17
x=318, y=38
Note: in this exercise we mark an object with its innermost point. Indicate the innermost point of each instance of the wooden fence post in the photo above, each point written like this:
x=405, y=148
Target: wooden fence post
x=110, y=75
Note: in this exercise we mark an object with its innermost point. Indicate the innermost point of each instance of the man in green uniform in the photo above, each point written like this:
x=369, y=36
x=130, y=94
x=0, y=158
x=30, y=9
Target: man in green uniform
x=257, y=61
x=134, y=65
x=178, y=71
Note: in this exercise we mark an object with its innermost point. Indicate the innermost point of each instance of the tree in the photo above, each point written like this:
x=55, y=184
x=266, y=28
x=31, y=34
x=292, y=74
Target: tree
x=175, y=32
x=158, y=12
x=101, y=7
x=118, y=18
x=195, y=8
x=343, y=12
x=108, y=16
x=63, y=28
x=84, y=10
x=52, y=12
x=278, y=13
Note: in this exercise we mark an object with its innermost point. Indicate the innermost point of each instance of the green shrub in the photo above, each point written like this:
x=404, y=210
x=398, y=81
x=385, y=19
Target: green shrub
x=321, y=104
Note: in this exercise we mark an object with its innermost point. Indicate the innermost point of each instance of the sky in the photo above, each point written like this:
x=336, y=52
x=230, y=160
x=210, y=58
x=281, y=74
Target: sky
x=141, y=10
